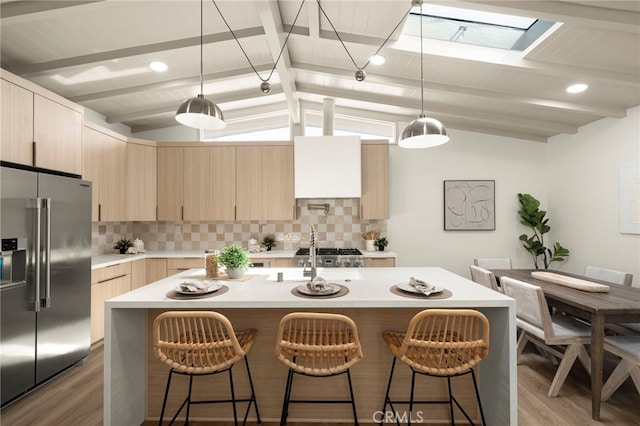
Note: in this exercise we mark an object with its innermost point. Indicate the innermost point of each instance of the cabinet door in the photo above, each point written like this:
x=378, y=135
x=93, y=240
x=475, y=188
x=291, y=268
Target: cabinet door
x=91, y=159
x=374, y=202
x=222, y=183
x=138, y=274
x=383, y=262
x=99, y=293
x=249, y=183
x=156, y=269
x=113, y=180
x=141, y=184
x=277, y=191
x=16, y=124
x=57, y=132
x=197, y=187
x=170, y=183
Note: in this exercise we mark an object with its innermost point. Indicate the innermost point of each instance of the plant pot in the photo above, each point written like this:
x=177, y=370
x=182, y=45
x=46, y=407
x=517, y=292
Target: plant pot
x=268, y=248
x=123, y=251
x=236, y=272
x=380, y=248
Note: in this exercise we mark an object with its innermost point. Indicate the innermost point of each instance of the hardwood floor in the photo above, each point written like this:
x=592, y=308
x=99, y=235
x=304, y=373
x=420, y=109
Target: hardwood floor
x=75, y=398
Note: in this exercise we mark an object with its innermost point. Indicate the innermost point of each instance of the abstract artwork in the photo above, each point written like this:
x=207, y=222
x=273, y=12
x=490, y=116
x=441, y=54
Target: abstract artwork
x=469, y=205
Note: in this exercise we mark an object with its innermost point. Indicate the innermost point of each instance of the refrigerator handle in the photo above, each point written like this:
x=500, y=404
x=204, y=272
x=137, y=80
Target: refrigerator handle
x=35, y=204
x=46, y=203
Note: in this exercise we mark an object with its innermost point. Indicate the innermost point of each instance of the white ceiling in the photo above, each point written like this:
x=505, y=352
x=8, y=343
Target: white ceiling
x=96, y=53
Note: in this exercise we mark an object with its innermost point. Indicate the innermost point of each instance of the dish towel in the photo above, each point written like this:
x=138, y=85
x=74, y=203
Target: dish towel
x=317, y=284
x=422, y=286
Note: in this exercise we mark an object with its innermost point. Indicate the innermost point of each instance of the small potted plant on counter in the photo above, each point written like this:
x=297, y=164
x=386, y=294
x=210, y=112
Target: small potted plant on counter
x=123, y=245
x=381, y=243
x=235, y=259
x=269, y=241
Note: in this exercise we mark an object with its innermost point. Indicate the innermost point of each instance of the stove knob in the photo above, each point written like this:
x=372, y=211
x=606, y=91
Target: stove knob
x=338, y=262
x=358, y=262
x=301, y=263
x=347, y=263
x=319, y=262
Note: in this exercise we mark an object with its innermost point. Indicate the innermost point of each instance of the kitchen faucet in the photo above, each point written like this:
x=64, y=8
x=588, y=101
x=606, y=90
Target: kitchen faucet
x=313, y=271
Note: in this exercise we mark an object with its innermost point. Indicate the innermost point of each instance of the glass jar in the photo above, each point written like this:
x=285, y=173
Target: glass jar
x=211, y=265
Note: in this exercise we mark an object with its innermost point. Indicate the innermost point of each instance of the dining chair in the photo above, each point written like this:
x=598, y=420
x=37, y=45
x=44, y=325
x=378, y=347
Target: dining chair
x=610, y=275
x=442, y=343
x=317, y=344
x=485, y=277
x=548, y=331
x=202, y=343
x=628, y=349
x=493, y=263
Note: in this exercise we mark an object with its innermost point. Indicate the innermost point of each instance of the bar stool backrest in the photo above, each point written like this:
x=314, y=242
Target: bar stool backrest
x=195, y=342
x=445, y=342
x=318, y=344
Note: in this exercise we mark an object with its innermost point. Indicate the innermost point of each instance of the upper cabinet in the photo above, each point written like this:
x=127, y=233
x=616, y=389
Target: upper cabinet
x=374, y=202
x=104, y=163
x=170, y=182
x=141, y=182
x=264, y=183
x=39, y=128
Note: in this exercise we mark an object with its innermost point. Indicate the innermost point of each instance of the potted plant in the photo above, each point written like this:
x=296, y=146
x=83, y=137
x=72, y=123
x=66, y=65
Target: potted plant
x=269, y=241
x=235, y=259
x=532, y=217
x=381, y=243
x=123, y=245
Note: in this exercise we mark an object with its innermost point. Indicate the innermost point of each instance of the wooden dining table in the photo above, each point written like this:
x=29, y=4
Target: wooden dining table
x=619, y=304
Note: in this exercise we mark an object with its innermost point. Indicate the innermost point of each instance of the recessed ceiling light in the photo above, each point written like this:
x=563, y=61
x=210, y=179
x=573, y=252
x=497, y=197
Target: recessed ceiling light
x=158, y=66
x=377, y=60
x=577, y=88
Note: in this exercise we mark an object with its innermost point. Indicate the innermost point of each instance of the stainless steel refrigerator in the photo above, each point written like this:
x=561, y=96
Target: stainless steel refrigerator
x=45, y=283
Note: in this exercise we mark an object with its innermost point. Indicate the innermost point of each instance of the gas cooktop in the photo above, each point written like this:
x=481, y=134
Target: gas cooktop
x=327, y=251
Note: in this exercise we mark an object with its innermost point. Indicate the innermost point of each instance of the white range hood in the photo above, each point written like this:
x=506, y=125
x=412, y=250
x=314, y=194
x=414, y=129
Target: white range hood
x=327, y=167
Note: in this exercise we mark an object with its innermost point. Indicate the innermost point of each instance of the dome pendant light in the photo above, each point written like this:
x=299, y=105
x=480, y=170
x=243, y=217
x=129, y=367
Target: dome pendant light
x=199, y=112
x=423, y=132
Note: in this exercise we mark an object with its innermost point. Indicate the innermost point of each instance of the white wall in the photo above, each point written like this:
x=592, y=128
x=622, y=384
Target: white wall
x=583, y=193
x=415, y=227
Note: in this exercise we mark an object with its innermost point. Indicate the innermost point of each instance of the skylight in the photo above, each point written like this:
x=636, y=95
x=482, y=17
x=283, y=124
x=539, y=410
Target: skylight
x=475, y=27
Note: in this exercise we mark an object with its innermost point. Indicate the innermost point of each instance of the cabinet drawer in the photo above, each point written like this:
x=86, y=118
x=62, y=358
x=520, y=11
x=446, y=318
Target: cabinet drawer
x=183, y=264
x=110, y=272
x=383, y=262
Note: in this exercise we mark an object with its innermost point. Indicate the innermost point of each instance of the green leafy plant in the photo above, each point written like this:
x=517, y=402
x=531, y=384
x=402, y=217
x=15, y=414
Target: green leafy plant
x=269, y=241
x=123, y=244
x=532, y=217
x=381, y=242
x=234, y=257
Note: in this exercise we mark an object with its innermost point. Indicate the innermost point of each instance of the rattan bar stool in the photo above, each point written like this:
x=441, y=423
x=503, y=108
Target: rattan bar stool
x=319, y=345
x=441, y=343
x=202, y=343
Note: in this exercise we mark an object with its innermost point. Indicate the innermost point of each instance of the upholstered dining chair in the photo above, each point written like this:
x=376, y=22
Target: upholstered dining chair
x=441, y=343
x=628, y=349
x=493, y=263
x=610, y=275
x=485, y=277
x=202, y=343
x=317, y=345
x=548, y=331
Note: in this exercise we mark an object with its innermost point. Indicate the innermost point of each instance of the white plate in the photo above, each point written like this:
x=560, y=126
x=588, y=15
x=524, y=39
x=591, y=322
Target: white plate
x=329, y=289
x=208, y=287
x=411, y=289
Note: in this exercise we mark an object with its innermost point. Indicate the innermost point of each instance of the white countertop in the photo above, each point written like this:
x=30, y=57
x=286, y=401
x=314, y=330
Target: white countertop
x=369, y=289
x=102, y=260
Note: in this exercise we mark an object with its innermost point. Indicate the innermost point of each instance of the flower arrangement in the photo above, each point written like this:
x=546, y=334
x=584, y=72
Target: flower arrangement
x=381, y=243
x=269, y=241
x=123, y=245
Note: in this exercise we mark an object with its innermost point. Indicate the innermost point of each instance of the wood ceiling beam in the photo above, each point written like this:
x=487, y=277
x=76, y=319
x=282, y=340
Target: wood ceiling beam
x=21, y=11
x=269, y=15
x=31, y=70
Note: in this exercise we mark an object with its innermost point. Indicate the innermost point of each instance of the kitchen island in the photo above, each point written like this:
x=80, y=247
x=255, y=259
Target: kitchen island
x=134, y=380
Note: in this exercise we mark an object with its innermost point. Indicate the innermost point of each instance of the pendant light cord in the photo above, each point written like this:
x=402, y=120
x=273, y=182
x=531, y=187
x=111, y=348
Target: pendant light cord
x=345, y=47
x=421, y=60
x=245, y=53
x=201, y=49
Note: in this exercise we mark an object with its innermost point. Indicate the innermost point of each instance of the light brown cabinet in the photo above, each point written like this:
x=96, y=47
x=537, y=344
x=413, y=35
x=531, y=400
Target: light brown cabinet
x=141, y=182
x=379, y=262
x=177, y=265
x=156, y=269
x=106, y=283
x=274, y=262
x=39, y=128
x=264, y=183
x=138, y=274
x=374, y=202
x=170, y=182
x=105, y=157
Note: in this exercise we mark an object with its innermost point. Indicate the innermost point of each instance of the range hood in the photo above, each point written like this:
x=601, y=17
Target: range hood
x=327, y=167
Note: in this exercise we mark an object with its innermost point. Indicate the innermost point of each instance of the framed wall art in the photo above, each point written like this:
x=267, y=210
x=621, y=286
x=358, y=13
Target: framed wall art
x=469, y=205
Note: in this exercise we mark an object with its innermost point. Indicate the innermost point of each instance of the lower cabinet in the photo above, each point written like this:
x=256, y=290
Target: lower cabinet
x=156, y=270
x=177, y=265
x=379, y=262
x=106, y=283
x=270, y=262
x=139, y=274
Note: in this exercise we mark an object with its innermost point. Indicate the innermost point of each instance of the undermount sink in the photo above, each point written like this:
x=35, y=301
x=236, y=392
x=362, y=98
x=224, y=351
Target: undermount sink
x=329, y=274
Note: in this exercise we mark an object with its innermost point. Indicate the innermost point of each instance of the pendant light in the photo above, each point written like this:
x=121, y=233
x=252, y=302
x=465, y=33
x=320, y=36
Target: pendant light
x=199, y=112
x=423, y=132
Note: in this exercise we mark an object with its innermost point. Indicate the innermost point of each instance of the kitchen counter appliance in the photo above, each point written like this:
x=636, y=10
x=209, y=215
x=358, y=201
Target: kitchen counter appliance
x=45, y=283
x=330, y=258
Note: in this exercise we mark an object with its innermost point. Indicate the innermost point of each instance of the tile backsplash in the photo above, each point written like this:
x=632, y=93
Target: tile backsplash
x=339, y=227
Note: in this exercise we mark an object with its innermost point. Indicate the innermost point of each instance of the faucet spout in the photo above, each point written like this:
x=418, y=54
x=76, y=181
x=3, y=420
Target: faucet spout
x=313, y=271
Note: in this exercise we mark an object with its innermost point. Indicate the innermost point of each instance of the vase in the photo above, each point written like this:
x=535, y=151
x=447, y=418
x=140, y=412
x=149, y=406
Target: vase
x=236, y=272
x=368, y=244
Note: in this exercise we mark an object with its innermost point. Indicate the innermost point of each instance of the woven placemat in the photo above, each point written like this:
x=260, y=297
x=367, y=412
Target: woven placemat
x=343, y=290
x=444, y=294
x=172, y=294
